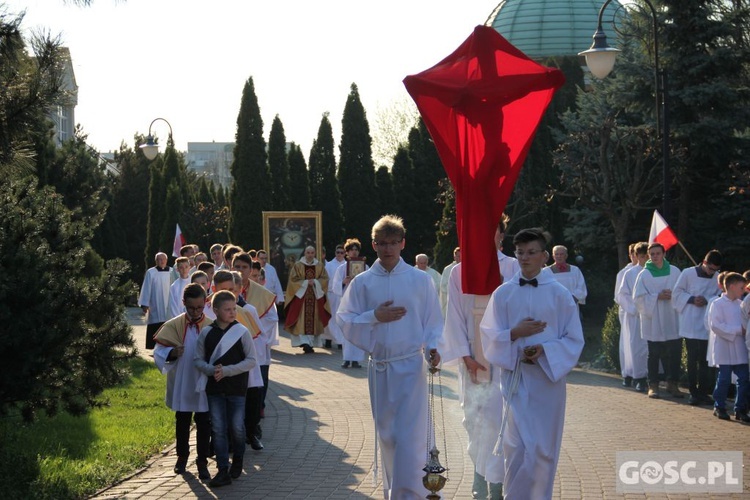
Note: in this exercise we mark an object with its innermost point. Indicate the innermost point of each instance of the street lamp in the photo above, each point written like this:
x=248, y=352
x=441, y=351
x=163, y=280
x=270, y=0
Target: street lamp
x=151, y=149
x=600, y=59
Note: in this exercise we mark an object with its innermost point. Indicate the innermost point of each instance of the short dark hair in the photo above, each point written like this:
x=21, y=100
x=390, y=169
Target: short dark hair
x=714, y=257
x=193, y=291
x=252, y=253
x=641, y=248
x=243, y=257
x=222, y=276
x=205, y=266
x=197, y=274
x=256, y=265
x=230, y=251
x=532, y=234
x=656, y=244
x=185, y=248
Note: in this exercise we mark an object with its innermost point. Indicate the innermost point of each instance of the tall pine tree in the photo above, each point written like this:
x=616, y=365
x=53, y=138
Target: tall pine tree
x=299, y=179
x=324, y=191
x=386, y=201
x=356, y=175
x=278, y=165
x=251, y=190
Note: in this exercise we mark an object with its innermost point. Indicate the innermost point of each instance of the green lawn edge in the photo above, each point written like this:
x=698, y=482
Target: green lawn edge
x=72, y=457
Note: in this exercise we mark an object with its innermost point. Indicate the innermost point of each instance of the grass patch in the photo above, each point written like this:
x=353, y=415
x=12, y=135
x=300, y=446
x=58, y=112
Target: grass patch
x=71, y=457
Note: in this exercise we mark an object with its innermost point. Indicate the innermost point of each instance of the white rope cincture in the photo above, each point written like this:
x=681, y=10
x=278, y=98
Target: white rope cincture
x=380, y=365
x=514, y=380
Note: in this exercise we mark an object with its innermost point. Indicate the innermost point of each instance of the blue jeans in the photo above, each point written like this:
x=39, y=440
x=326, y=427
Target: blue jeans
x=227, y=412
x=722, y=386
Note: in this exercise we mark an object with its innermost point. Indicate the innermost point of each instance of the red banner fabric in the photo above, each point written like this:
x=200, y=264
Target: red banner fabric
x=482, y=105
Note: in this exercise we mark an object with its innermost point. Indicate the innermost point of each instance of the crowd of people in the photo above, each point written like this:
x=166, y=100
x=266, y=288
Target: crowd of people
x=659, y=306
x=212, y=324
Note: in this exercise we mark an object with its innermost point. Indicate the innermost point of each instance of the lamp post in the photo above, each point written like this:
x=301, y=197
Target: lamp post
x=600, y=59
x=151, y=149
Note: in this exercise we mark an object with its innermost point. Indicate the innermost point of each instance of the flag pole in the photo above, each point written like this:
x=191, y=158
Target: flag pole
x=686, y=252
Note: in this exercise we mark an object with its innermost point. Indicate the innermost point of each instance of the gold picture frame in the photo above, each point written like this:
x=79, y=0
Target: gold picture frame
x=287, y=234
x=356, y=266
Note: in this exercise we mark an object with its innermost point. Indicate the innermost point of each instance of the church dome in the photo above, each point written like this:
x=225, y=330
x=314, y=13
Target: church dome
x=549, y=28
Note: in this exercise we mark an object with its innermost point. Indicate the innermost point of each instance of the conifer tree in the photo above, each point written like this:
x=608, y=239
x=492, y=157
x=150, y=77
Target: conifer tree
x=447, y=234
x=123, y=232
x=298, y=179
x=356, y=174
x=156, y=193
x=428, y=172
x=278, y=165
x=324, y=191
x=173, y=209
x=404, y=188
x=252, y=189
x=386, y=197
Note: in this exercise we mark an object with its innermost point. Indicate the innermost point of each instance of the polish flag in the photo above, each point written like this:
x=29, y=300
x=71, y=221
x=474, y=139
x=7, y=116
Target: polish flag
x=180, y=241
x=661, y=232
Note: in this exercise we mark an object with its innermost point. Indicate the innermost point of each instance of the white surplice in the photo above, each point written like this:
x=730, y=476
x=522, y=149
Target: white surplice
x=482, y=402
x=691, y=317
x=725, y=321
x=155, y=295
x=658, y=317
x=444, y=281
x=332, y=331
x=273, y=283
x=532, y=439
x=350, y=351
x=573, y=281
x=621, y=315
x=182, y=375
x=176, y=307
x=633, y=347
x=398, y=367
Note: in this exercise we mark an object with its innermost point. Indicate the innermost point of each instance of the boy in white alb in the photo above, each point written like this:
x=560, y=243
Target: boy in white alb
x=176, y=307
x=729, y=349
x=173, y=355
x=392, y=312
x=352, y=355
x=634, y=348
x=652, y=294
x=532, y=324
x=627, y=378
x=690, y=296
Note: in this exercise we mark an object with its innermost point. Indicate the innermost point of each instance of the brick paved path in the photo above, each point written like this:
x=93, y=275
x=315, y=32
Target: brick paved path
x=318, y=437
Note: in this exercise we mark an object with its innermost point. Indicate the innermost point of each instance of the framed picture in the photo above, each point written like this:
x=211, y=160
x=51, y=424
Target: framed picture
x=287, y=234
x=355, y=266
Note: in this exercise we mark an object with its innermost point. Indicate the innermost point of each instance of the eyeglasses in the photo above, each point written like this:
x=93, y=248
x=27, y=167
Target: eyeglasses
x=386, y=244
x=529, y=253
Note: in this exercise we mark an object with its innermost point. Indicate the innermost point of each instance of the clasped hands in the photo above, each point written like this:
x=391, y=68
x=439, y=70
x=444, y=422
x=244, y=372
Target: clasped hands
x=525, y=328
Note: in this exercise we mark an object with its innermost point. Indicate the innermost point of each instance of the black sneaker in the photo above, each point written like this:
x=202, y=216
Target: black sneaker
x=694, y=400
x=235, y=470
x=203, y=473
x=641, y=385
x=627, y=381
x=742, y=417
x=179, y=467
x=721, y=414
x=328, y=344
x=345, y=364
x=355, y=364
x=222, y=478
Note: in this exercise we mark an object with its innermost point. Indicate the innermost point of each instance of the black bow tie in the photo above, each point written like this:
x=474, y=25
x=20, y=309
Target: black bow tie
x=533, y=282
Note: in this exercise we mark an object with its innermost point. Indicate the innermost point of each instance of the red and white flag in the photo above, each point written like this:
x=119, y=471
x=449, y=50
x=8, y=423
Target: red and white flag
x=661, y=232
x=179, y=242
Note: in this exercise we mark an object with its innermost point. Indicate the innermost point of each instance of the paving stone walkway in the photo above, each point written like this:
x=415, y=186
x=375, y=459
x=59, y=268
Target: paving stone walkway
x=318, y=437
